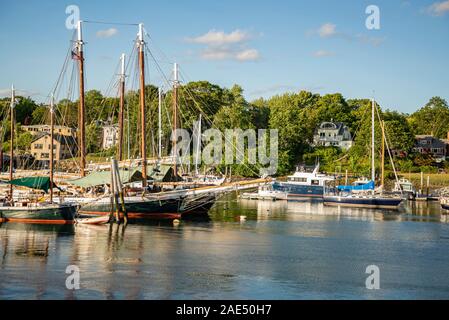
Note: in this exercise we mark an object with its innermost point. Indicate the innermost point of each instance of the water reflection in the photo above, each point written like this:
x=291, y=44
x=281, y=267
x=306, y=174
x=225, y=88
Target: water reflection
x=282, y=249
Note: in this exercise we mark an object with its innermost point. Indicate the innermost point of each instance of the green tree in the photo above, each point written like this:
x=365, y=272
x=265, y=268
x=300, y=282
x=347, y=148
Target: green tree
x=398, y=131
x=433, y=118
x=24, y=140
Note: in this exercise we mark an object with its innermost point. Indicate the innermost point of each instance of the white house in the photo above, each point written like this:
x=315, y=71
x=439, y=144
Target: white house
x=110, y=136
x=335, y=134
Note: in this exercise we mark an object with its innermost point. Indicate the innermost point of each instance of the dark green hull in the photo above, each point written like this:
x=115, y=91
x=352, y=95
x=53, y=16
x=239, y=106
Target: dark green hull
x=169, y=209
x=52, y=214
x=149, y=209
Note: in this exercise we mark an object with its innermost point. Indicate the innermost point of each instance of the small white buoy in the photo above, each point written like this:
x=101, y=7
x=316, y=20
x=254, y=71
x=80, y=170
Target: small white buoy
x=176, y=222
x=242, y=218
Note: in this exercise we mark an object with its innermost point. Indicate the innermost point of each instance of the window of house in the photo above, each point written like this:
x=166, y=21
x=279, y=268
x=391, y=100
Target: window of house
x=45, y=155
x=38, y=146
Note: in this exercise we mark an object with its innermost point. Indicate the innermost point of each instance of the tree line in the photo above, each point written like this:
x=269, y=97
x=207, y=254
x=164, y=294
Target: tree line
x=295, y=114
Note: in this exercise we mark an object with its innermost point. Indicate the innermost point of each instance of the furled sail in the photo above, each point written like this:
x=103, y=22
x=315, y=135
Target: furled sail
x=367, y=186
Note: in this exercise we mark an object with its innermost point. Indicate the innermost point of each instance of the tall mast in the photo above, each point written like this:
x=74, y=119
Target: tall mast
x=373, y=169
x=175, y=118
x=159, y=111
x=141, y=44
x=11, y=155
x=122, y=107
x=52, y=119
x=198, y=146
x=382, y=179
x=81, y=113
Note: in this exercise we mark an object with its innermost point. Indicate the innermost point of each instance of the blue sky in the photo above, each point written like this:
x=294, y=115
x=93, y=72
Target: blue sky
x=267, y=47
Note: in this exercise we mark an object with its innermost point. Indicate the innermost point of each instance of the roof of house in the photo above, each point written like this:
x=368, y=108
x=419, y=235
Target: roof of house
x=340, y=126
x=58, y=137
x=46, y=126
x=435, y=142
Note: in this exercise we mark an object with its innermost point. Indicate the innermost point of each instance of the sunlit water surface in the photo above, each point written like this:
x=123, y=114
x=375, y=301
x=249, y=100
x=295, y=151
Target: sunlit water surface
x=294, y=250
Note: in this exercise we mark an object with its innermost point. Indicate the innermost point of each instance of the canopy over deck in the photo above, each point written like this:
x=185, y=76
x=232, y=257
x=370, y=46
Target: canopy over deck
x=40, y=183
x=163, y=174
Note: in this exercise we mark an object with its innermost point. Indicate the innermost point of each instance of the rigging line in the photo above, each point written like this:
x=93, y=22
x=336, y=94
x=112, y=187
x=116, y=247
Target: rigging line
x=187, y=79
x=62, y=72
x=150, y=40
x=387, y=145
x=195, y=102
x=111, y=23
x=158, y=66
x=227, y=140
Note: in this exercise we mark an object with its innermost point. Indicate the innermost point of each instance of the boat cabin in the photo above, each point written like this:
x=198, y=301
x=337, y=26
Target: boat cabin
x=301, y=177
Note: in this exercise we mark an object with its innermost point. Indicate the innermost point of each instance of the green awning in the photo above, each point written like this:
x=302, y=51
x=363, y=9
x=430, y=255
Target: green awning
x=100, y=178
x=41, y=183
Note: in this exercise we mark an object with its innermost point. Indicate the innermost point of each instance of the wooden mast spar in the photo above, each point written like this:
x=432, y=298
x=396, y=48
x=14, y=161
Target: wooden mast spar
x=52, y=120
x=122, y=107
x=175, y=120
x=11, y=155
x=81, y=113
x=141, y=44
x=373, y=168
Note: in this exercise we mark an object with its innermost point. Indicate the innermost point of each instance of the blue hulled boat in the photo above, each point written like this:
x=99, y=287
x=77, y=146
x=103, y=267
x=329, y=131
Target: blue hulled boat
x=304, y=184
x=363, y=193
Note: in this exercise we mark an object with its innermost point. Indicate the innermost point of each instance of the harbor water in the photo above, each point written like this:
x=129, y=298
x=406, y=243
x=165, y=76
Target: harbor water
x=248, y=250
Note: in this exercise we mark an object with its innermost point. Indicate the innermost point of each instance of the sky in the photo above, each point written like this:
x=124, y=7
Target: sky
x=266, y=46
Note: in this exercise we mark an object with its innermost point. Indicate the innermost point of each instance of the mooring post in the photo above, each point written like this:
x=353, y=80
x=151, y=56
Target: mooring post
x=111, y=213
x=119, y=188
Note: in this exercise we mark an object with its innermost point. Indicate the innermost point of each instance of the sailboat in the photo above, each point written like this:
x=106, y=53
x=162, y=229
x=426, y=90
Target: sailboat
x=444, y=202
x=198, y=179
x=365, y=195
x=186, y=199
x=30, y=210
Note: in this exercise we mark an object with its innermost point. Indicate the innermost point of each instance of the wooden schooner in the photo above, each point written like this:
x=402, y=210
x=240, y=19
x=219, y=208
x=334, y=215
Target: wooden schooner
x=32, y=210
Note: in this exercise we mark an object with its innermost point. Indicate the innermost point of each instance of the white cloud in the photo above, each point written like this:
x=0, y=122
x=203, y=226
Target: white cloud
x=216, y=54
x=24, y=93
x=323, y=53
x=439, y=8
x=220, y=38
x=219, y=45
x=243, y=55
x=374, y=41
x=107, y=33
x=327, y=30
x=248, y=55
